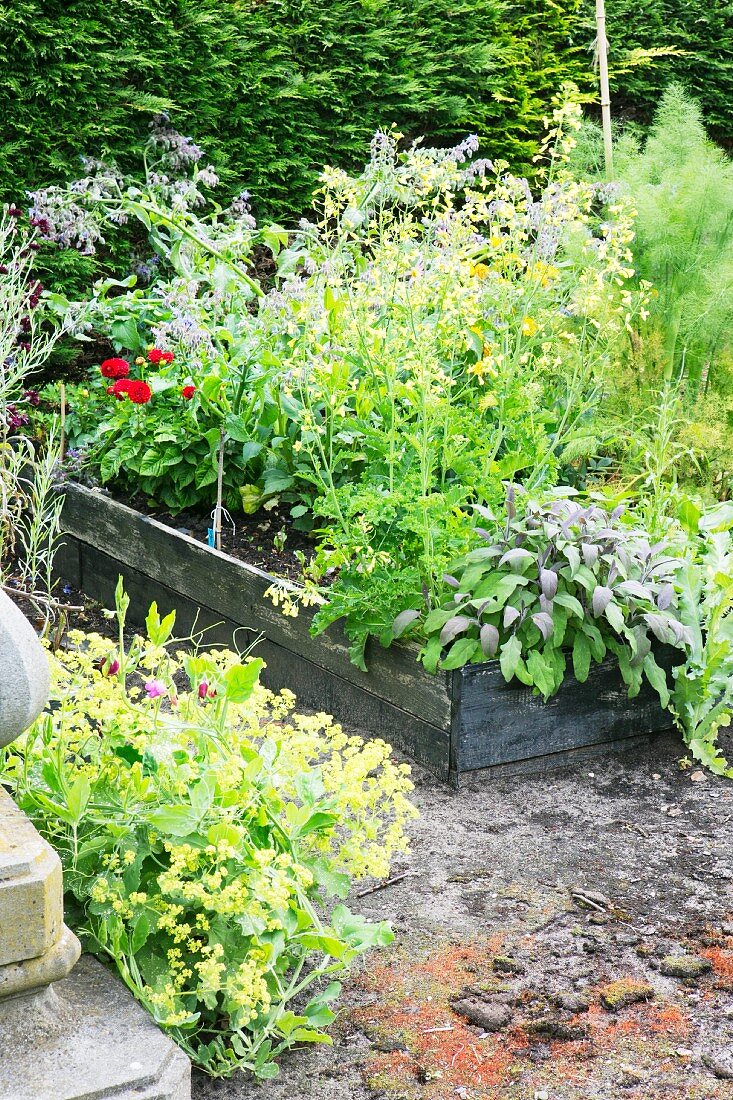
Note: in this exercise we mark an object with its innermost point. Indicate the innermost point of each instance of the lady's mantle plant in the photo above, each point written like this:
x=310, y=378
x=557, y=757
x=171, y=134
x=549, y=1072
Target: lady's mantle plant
x=202, y=827
x=564, y=580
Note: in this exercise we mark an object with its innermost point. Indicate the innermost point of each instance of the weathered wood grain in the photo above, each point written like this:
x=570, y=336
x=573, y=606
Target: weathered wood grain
x=496, y=722
x=235, y=590
x=454, y=723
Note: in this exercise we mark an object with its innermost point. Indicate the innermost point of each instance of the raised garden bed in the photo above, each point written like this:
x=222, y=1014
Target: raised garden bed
x=453, y=722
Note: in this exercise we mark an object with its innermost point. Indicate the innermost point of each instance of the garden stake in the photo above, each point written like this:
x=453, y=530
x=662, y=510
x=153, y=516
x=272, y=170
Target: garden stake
x=62, y=441
x=602, y=57
x=219, y=493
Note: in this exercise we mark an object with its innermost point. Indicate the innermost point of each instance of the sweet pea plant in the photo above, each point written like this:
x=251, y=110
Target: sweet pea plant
x=203, y=827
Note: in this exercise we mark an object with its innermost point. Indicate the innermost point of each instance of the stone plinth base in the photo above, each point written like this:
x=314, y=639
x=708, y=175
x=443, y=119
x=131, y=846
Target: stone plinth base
x=85, y=1038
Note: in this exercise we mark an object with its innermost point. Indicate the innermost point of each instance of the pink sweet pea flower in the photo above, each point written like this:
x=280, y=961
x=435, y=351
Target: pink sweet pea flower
x=154, y=688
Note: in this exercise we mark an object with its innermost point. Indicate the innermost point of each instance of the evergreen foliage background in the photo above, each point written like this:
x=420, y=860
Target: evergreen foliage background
x=272, y=89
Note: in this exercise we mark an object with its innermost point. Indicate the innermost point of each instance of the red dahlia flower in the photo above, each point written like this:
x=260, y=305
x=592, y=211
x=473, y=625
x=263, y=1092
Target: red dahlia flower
x=155, y=355
x=187, y=392
x=120, y=388
x=139, y=392
x=115, y=368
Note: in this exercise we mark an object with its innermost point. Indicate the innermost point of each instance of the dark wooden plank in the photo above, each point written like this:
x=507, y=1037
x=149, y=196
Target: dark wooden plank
x=496, y=722
x=640, y=746
x=316, y=688
x=235, y=590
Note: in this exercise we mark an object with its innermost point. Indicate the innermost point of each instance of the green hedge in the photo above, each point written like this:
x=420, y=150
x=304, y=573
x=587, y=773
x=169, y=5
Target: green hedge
x=272, y=89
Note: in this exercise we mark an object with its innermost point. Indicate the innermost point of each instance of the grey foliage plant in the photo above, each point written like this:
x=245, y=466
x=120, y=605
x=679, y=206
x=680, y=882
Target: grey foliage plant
x=563, y=581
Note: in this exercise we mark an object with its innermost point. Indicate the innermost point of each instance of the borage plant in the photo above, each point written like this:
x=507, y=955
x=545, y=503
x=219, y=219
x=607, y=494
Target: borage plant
x=563, y=580
x=203, y=827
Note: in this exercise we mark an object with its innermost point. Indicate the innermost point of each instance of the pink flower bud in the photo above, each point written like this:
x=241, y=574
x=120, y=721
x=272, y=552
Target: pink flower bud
x=112, y=668
x=203, y=689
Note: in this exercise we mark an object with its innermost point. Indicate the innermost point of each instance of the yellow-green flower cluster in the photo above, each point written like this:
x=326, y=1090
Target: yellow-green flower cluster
x=197, y=825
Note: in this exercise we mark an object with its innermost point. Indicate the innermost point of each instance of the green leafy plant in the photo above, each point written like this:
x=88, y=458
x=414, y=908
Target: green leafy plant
x=564, y=580
x=203, y=828
x=702, y=699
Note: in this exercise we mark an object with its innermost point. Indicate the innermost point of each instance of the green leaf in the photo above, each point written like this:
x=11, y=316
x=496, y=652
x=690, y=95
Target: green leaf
x=657, y=678
x=77, y=799
x=174, y=820
x=581, y=657
x=541, y=671
x=460, y=653
x=572, y=603
x=510, y=657
x=139, y=934
x=615, y=616
x=241, y=679
x=267, y=1072
x=159, y=632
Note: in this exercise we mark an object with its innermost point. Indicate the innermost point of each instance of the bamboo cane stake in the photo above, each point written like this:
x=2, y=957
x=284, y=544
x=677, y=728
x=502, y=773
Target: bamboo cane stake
x=602, y=55
x=219, y=494
x=62, y=441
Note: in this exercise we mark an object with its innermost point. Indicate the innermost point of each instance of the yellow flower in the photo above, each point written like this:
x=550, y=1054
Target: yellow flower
x=479, y=270
x=529, y=326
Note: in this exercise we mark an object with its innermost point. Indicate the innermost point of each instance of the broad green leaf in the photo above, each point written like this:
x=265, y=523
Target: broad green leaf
x=460, y=653
x=581, y=657
x=240, y=680
x=511, y=655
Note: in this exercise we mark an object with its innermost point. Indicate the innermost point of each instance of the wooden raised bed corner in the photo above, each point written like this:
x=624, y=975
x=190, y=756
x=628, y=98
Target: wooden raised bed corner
x=453, y=722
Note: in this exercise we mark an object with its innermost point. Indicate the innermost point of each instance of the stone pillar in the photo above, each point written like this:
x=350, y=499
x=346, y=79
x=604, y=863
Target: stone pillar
x=67, y=1032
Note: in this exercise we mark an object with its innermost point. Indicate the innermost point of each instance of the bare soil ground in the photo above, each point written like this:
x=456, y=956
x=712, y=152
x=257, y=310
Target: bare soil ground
x=530, y=899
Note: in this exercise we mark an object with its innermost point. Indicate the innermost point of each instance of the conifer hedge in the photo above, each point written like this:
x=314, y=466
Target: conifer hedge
x=272, y=89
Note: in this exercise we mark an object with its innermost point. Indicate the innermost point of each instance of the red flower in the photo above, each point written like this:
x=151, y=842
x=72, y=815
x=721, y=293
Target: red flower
x=157, y=356
x=139, y=392
x=120, y=388
x=115, y=368
x=187, y=392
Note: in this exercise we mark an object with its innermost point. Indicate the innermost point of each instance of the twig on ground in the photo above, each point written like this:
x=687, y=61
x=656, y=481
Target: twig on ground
x=383, y=885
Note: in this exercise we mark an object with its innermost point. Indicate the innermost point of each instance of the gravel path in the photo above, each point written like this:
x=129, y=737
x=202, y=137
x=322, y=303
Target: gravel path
x=535, y=936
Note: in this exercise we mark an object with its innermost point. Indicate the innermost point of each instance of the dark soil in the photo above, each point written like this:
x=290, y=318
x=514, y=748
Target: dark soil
x=267, y=539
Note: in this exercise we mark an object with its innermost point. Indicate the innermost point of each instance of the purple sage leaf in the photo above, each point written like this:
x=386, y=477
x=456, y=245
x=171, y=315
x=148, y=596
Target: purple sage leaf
x=590, y=553
x=544, y=623
x=516, y=556
x=403, y=621
x=511, y=614
x=602, y=596
x=548, y=583
x=456, y=625
x=489, y=639
x=665, y=597
x=659, y=626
